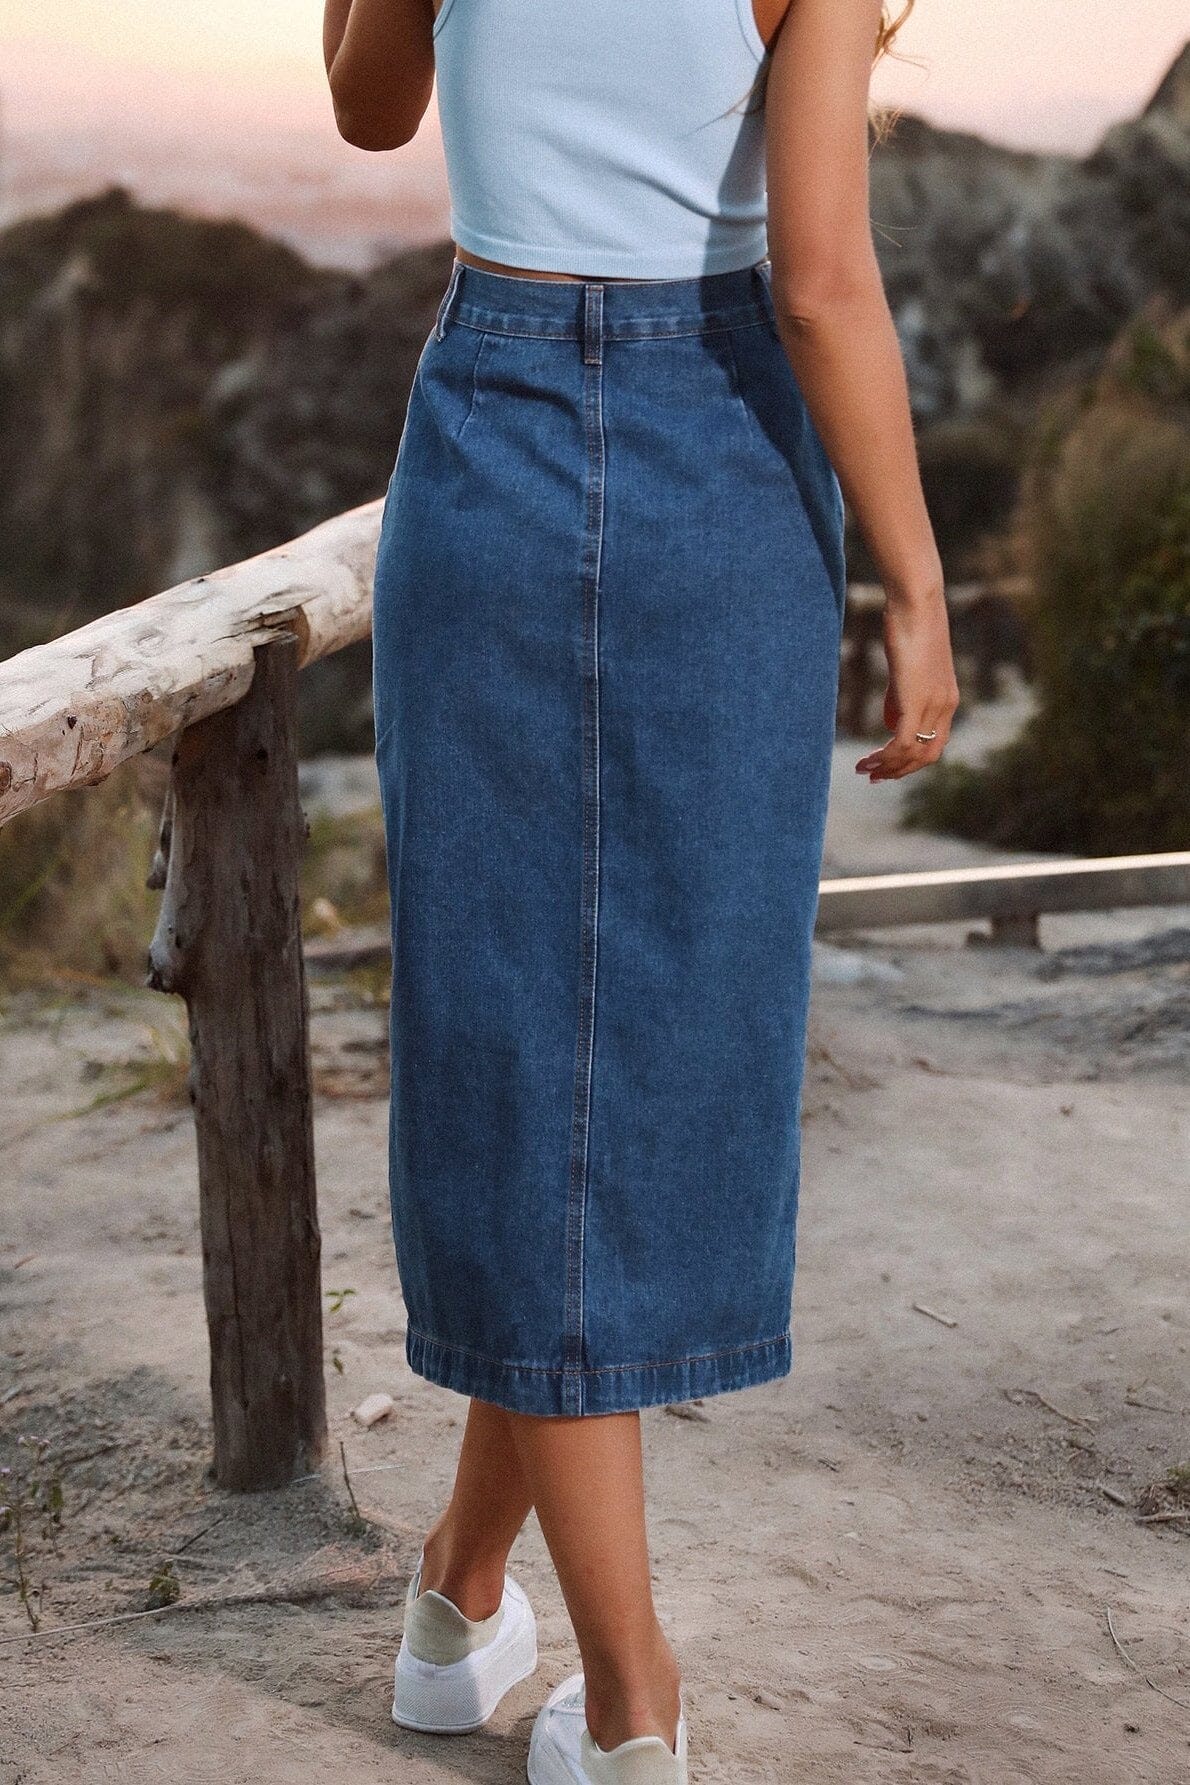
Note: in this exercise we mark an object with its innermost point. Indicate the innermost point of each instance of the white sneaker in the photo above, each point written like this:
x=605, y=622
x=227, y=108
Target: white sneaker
x=561, y=1751
x=452, y=1671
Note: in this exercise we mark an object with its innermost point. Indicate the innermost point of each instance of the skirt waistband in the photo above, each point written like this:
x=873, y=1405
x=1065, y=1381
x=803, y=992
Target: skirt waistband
x=597, y=310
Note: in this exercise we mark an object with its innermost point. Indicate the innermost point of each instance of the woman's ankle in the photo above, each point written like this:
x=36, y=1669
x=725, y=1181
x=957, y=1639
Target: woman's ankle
x=626, y=1698
x=471, y=1581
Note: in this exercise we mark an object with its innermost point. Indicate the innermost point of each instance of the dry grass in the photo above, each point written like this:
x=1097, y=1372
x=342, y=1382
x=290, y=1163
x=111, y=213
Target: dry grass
x=76, y=915
x=343, y=872
x=74, y=907
x=1168, y=1500
x=161, y=1067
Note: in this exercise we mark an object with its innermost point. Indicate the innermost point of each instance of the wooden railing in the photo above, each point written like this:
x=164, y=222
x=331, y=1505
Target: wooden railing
x=213, y=664
x=1014, y=897
x=72, y=710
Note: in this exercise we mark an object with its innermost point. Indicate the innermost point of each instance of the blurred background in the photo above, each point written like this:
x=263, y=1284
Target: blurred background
x=210, y=310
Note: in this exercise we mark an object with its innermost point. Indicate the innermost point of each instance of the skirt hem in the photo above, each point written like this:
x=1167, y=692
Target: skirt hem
x=621, y=1388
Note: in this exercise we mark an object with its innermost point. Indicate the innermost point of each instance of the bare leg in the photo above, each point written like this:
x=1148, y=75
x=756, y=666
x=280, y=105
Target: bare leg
x=467, y=1547
x=586, y=1480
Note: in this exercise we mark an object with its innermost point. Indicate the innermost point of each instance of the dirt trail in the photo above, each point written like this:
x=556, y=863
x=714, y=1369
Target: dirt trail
x=894, y=1566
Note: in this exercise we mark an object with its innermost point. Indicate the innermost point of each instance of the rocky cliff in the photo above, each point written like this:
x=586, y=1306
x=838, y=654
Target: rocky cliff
x=1004, y=268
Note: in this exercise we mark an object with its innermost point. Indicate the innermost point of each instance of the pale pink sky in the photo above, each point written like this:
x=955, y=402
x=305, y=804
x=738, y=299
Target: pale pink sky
x=1046, y=73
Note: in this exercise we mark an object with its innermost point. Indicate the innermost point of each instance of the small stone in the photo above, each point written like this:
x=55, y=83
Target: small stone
x=372, y=1409
x=768, y=1701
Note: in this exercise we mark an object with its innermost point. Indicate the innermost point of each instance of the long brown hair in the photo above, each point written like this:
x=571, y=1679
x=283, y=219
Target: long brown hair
x=888, y=28
x=884, y=117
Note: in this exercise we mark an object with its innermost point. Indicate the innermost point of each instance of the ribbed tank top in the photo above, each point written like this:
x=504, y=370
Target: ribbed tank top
x=604, y=137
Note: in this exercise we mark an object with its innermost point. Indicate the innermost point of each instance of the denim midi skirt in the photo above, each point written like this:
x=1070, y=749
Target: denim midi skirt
x=608, y=602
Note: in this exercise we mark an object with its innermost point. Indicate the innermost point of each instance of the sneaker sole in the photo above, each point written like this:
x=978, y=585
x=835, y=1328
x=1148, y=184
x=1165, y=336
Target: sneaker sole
x=460, y=1698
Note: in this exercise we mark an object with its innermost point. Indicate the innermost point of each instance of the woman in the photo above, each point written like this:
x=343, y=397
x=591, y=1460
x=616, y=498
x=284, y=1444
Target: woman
x=608, y=602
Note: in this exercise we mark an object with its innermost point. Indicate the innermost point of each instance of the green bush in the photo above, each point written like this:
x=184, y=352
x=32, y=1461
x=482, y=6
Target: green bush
x=1104, y=524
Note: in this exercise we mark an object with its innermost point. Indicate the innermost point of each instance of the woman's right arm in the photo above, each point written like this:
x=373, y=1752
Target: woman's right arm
x=835, y=324
x=379, y=57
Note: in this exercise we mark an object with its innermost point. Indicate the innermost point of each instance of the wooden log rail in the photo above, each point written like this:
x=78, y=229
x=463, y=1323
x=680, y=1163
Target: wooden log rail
x=1014, y=896
x=72, y=710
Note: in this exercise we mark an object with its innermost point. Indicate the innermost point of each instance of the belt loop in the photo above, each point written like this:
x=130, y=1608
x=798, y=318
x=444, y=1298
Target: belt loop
x=593, y=325
x=762, y=286
x=448, y=298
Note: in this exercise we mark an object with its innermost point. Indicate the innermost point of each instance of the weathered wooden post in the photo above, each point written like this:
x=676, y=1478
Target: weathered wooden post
x=228, y=939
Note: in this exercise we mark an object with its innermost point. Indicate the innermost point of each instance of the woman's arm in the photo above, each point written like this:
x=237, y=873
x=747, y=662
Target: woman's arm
x=837, y=329
x=379, y=58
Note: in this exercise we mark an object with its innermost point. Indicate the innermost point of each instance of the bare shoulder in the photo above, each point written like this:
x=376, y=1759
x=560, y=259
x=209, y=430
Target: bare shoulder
x=840, y=33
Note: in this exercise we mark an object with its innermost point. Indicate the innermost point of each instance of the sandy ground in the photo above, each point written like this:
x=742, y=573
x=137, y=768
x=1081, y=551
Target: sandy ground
x=896, y=1565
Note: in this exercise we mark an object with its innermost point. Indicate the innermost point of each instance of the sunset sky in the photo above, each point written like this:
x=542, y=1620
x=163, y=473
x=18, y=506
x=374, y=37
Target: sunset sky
x=1049, y=73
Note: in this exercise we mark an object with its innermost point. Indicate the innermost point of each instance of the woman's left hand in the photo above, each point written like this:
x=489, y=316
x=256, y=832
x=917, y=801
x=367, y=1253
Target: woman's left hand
x=922, y=692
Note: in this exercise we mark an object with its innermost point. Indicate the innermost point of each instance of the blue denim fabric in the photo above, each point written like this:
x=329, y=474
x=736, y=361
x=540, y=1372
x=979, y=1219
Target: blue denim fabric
x=608, y=603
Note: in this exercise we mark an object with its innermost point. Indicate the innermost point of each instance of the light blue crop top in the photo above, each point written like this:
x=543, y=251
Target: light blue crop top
x=604, y=137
